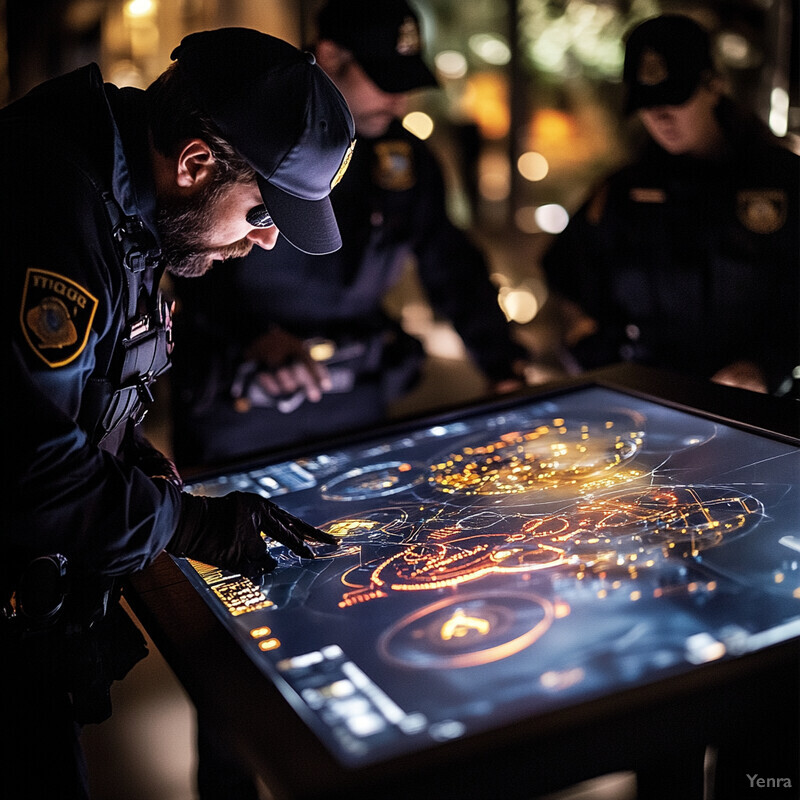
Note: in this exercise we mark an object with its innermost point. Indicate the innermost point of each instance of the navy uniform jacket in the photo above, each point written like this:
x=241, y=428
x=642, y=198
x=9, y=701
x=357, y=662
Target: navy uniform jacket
x=61, y=148
x=390, y=206
x=687, y=264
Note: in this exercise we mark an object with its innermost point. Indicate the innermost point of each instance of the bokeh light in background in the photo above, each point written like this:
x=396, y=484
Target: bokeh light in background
x=139, y=9
x=491, y=48
x=419, y=123
x=142, y=22
x=735, y=51
x=533, y=166
x=451, y=64
x=585, y=35
x=519, y=300
x=519, y=304
x=551, y=218
x=779, y=111
x=548, y=218
x=486, y=102
x=494, y=181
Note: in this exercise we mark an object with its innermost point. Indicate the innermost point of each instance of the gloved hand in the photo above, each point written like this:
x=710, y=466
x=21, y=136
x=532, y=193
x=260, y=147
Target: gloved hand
x=226, y=532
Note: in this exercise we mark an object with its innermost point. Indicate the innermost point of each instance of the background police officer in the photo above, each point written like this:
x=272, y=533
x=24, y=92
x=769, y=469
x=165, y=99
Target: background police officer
x=103, y=188
x=257, y=322
x=687, y=258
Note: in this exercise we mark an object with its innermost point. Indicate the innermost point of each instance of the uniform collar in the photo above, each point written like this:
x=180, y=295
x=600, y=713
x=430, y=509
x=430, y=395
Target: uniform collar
x=133, y=183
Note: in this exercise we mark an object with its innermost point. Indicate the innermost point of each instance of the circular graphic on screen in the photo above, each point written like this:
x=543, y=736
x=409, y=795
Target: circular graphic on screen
x=672, y=520
x=375, y=480
x=550, y=456
x=664, y=437
x=467, y=631
x=434, y=565
x=377, y=526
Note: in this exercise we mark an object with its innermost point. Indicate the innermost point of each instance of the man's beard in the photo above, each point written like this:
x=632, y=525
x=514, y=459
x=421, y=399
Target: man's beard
x=182, y=227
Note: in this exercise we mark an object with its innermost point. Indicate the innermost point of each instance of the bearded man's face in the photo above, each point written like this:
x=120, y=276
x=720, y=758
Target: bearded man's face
x=208, y=226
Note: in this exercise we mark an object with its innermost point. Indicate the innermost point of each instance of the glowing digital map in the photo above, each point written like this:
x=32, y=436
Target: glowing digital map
x=512, y=561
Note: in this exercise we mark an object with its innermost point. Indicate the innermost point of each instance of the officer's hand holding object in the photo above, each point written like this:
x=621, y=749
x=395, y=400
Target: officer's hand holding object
x=226, y=532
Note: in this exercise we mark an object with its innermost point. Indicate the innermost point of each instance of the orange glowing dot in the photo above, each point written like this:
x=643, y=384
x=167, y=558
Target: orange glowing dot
x=404, y=468
x=562, y=610
x=257, y=633
x=269, y=644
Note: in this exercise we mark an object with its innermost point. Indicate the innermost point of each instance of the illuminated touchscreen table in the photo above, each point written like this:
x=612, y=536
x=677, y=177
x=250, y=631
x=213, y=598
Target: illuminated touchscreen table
x=512, y=561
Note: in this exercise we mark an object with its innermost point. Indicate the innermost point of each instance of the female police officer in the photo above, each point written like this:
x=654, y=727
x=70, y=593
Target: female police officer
x=103, y=188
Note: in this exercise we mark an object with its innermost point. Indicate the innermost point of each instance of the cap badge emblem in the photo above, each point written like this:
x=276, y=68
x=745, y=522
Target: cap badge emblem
x=408, y=43
x=344, y=165
x=652, y=68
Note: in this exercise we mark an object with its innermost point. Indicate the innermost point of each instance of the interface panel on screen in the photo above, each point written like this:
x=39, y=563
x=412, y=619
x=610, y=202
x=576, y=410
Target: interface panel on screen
x=513, y=561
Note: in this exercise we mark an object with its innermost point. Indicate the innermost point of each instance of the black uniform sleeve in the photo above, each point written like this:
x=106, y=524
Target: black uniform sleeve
x=71, y=497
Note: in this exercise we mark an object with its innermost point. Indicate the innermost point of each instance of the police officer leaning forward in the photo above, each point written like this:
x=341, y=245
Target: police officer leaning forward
x=253, y=391
x=687, y=258
x=103, y=188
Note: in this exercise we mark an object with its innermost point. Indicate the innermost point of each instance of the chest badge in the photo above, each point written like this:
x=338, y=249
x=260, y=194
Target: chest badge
x=762, y=210
x=394, y=166
x=56, y=316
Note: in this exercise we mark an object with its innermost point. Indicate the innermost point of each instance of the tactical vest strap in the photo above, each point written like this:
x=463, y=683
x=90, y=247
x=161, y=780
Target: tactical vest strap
x=142, y=352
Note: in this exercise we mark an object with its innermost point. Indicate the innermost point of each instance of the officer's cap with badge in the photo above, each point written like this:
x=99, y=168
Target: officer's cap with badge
x=384, y=37
x=284, y=116
x=666, y=59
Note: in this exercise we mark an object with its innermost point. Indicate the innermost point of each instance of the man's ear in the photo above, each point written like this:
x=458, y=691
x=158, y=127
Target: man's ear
x=195, y=164
x=331, y=57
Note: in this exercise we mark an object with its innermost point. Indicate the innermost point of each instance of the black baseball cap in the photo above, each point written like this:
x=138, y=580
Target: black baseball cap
x=666, y=58
x=284, y=116
x=385, y=38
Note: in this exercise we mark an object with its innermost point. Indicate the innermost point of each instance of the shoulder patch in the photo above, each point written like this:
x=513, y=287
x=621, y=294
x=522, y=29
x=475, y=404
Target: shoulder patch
x=394, y=166
x=56, y=316
x=762, y=211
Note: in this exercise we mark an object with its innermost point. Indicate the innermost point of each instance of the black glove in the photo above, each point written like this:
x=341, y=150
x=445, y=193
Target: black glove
x=226, y=532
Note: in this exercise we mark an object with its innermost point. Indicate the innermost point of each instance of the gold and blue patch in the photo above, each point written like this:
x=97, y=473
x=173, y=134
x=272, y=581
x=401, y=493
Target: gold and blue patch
x=56, y=316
